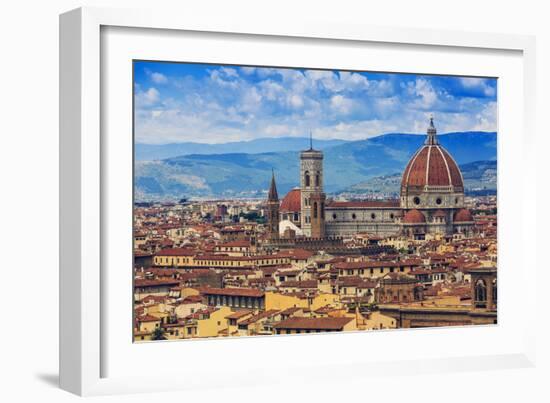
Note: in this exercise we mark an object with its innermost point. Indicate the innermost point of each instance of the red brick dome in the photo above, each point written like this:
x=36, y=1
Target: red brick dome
x=463, y=215
x=440, y=213
x=292, y=202
x=414, y=217
x=432, y=165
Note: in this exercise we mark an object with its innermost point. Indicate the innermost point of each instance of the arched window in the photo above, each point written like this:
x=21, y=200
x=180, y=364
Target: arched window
x=315, y=213
x=317, y=181
x=307, y=178
x=495, y=290
x=323, y=210
x=480, y=291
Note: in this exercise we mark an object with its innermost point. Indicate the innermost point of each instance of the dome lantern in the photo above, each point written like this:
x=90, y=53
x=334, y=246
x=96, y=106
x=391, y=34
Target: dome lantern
x=432, y=133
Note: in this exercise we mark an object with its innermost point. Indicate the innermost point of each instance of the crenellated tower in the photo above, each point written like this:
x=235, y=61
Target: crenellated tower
x=312, y=196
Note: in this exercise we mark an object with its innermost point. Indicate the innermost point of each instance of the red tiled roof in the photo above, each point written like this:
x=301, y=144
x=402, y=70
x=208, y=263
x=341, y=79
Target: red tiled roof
x=244, y=292
x=298, y=254
x=259, y=316
x=148, y=318
x=376, y=264
x=292, y=202
x=463, y=215
x=414, y=217
x=176, y=252
x=290, y=311
x=239, y=314
x=432, y=165
x=154, y=283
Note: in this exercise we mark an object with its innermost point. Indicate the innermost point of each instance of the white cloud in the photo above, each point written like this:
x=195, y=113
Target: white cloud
x=341, y=104
x=271, y=90
x=425, y=93
x=230, y=104
x=147, y=98
x=248, y=70
x=296, y=101
x=159, y=78
x=229, y=72
x=479, y=84
x=251, y=100
x=354, y=81
x=220, y=77
x=277, y=130
x=487, y=118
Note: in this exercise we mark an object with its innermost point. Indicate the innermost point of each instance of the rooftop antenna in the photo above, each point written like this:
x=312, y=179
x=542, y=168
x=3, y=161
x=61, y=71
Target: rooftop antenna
x=310, y=140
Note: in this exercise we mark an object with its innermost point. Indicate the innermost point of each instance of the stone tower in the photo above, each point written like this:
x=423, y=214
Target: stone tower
x=311, y=189
x=273, y=210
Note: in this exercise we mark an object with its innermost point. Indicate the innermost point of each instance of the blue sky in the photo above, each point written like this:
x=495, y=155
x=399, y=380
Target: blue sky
x=178, y=102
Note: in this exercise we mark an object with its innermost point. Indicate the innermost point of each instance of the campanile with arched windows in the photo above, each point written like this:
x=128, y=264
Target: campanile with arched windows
x=484, y=288
x=312, y=195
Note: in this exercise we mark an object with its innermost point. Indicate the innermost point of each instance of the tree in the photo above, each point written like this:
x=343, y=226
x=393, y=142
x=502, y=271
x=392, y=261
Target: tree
x=158, y=334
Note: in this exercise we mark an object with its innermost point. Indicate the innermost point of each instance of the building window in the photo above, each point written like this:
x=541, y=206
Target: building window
x=334, y=216
x=438, y=200
x=307, y=178
x=480, y=291
x=373, y=216
x=353, y=216
x=317, y=180
x=315, y=212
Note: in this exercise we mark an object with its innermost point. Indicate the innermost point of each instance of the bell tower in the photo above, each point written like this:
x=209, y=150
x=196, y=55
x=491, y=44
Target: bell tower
x=311, y=190
x=273, y=210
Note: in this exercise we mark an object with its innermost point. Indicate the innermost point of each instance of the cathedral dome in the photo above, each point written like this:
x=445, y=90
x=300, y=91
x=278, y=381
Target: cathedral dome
x=292, y=202
x=432, y=166
x=463, y=215
x=414, y=217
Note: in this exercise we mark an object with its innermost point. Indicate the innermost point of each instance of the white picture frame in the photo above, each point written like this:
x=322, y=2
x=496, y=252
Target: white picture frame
x=83, y=188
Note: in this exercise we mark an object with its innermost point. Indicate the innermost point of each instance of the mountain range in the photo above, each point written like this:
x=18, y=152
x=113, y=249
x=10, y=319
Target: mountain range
x=480, y=177
x=150, y=152
x=350, y=166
